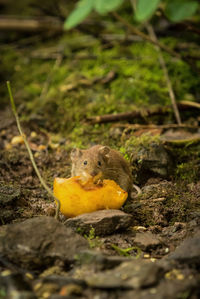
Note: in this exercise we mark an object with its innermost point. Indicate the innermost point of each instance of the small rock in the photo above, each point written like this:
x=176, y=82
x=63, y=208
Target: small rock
x=139, y=228
x=8, y=197
x=101, y=261
x=155, y=191
x=104, y=222
x=8, y=194
x=6, y=215
x=147, y=240
x=63, y=280
x=153, y=160
x=167, y=289
x=21, y=295
x=188, y=251
x=14, y=281
x=188, y=287
x=39, y=242
x=15, y=285
x=115, y=132
x=133, y=274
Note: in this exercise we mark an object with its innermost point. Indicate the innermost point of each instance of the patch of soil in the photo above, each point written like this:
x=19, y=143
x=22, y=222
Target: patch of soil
x=155, y=248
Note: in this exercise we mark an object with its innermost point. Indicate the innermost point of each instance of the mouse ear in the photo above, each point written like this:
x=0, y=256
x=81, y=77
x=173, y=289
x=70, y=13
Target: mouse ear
x=103, y=151
x=75, y=153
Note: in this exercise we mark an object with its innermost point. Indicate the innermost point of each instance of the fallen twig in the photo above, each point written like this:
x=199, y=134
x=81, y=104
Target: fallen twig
x=145, y=36
x=188, y=104
x=45, y=24
x=153, y=126
x=30, y=152
x=126, y=115
x=130, y=116
x=157, y=43
x=183, y=142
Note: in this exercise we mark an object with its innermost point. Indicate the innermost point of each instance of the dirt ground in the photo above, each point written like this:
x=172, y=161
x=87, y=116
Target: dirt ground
x=99, y=84
x=163, y=217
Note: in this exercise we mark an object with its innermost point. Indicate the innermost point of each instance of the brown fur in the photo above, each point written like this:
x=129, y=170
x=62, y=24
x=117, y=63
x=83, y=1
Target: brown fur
x=102, y=159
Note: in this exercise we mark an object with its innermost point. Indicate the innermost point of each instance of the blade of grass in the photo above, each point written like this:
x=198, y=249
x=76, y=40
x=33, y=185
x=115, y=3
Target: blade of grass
x=29, y=150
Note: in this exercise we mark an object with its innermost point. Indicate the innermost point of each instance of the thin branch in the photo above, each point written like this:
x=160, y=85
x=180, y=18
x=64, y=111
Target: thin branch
x=45, y=24
x=137, y=113
x=145, y=36
x=153, y=126
x=166, y=74
x=29, y=150
x=128, y=116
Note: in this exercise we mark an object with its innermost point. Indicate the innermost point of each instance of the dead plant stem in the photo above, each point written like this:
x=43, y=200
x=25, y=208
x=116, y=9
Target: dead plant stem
x=145, y=36
x=165, y=71
x=29, y=150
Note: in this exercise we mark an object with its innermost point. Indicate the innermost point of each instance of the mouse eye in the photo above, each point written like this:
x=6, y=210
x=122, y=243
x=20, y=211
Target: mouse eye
x=85, y=162
x=99, y=163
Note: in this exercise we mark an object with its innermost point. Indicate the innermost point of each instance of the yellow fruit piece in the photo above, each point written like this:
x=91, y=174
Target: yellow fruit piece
x=77, y=198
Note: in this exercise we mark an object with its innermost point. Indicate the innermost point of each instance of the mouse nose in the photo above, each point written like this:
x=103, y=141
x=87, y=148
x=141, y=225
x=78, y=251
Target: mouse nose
x=93, y=173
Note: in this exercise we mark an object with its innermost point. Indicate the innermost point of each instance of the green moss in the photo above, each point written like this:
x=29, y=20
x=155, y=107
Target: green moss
x=137, y=143
x=186, y=158
x=2, y=293
x=43, y=88
x=127, y=251
x=188, y=171
x=93, y=240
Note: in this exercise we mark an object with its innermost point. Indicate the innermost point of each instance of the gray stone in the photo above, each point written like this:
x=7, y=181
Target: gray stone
x=155, y=191
x=6, y=215
x=167, y=289
x=101, y=261
x=8, y=197
x=39, y=242
x=21, y=295
x=14, y=285
x=63, y=280
x=8, y=194
x=153, y=159
x=104, y=222
x=134, y=274
x=147, y=240
x=188, y=251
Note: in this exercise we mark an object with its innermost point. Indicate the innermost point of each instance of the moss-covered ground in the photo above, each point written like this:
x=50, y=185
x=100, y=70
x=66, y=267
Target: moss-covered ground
x=59, y=81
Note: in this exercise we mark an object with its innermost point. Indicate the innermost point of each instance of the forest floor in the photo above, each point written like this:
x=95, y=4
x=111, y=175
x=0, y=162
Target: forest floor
x=149, y=249
x=155, y=254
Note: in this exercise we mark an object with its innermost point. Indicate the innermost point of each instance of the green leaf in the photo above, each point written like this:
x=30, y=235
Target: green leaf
x=179, y=10
x=145, y=9
x=105, y=6
x=82, y=10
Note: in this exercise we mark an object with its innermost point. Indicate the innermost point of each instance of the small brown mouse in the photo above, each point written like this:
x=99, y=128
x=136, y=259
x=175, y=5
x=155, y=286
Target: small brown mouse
x=102, y=159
